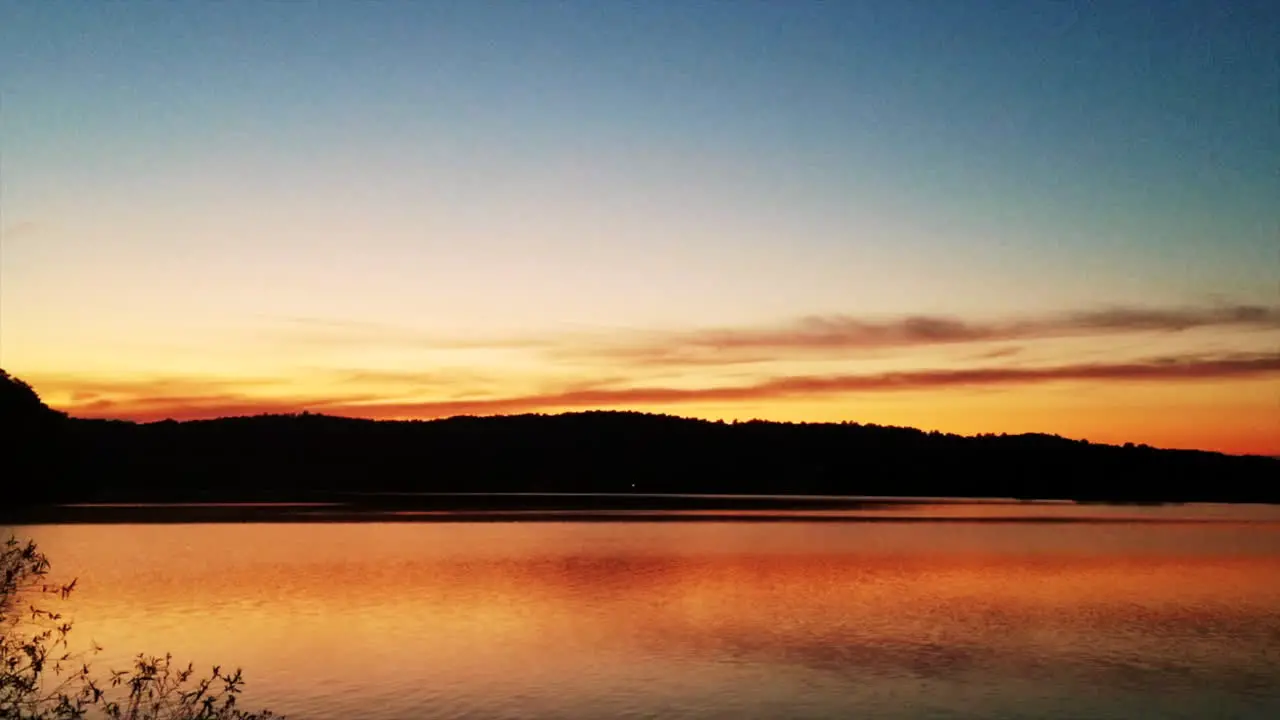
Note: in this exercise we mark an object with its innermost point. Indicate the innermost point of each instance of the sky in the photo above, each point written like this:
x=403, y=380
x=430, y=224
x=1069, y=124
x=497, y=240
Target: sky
x=988, y=216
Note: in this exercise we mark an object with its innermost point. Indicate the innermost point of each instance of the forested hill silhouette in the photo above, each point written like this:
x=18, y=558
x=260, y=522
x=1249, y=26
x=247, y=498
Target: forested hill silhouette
x=57, y=459
x=20, y=402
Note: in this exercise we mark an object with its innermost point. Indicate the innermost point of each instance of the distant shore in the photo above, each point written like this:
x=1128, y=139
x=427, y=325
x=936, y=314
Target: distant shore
x=552, y=507
x=442, y=507
x=615, y=461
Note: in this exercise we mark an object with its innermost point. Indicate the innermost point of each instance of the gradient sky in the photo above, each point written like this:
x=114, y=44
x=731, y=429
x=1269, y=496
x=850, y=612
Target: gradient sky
x=970, y=216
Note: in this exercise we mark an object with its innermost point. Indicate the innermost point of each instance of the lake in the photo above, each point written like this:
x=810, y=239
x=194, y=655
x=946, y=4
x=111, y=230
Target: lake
x=1003, y=610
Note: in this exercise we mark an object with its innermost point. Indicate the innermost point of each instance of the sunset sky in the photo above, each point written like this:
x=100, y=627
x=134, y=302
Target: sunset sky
x=972, y=216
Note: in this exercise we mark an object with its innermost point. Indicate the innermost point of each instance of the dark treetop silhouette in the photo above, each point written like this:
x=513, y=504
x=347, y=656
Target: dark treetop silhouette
x=50, y=458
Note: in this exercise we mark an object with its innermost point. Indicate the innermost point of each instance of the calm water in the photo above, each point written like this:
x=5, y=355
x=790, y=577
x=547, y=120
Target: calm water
x=1152, y=616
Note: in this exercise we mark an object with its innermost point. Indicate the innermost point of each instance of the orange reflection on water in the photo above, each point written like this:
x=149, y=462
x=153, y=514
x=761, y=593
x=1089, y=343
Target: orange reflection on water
x=432, y=611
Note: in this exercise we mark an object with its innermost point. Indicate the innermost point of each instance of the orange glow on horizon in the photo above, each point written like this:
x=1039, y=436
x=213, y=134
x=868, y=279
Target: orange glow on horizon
x=1239, y=416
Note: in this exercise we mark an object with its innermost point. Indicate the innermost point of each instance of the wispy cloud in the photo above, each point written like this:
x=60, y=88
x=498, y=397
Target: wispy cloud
x=813, y=337
x=1162, y=369
x=94, y=388
x=339, y=333
x=20, y=231
x=634, y=364
x=178, y=407
x=1154, y=370
x=180, y=397
x=996, y=353
x=832, y=334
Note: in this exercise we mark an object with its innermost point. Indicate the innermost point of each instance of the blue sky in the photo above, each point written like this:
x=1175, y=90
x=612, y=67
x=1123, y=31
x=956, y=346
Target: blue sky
x=1146, y=133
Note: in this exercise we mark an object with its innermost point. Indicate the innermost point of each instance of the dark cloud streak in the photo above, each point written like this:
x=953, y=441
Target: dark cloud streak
x=1156, y=370
x=812, y=336
x=203, y=399
x=824, y=336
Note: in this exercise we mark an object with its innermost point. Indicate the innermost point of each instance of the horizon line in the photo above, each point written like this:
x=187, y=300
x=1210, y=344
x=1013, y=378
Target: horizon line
x=669, y=416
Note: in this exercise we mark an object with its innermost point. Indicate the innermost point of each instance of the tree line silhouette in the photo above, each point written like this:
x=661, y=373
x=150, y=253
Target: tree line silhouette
x=305, y=457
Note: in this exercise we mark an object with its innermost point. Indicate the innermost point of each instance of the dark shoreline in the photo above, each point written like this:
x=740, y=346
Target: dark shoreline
x=634, y=459
x=453, y=508
x=427, y=507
